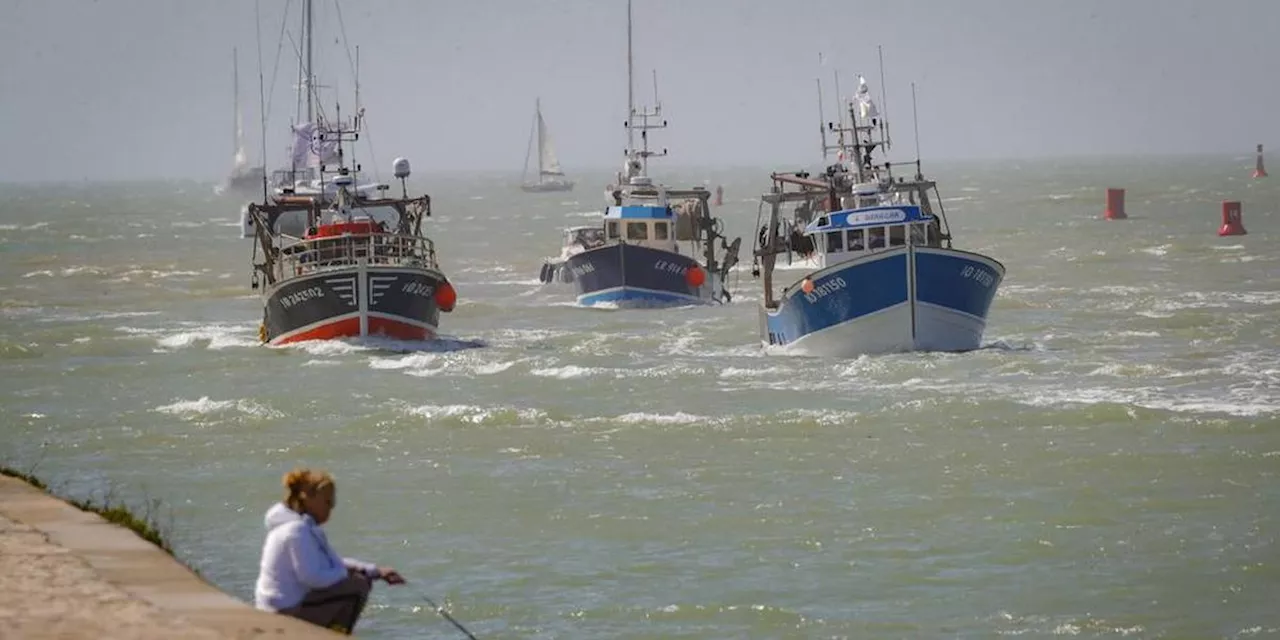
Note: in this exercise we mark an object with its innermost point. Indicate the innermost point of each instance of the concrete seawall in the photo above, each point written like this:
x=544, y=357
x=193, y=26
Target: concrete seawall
x=69, y=574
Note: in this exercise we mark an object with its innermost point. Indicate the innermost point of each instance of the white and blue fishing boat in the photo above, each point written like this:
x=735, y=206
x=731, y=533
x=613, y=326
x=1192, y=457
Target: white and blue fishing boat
x=638, y=260
x=887, y=277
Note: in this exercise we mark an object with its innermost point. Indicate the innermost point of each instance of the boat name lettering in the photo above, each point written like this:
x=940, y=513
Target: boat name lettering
x=984, y=277
x=418, y=289
x=823, y=290
x=582, y=269
x=301, y=296
x=669, y=267
x=889, y=215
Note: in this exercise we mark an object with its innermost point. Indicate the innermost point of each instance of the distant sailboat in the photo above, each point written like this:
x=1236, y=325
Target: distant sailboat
x=243, y=179
x=550, y=176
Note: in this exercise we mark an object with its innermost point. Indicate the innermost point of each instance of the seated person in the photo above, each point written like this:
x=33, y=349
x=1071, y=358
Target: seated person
x=300, y=574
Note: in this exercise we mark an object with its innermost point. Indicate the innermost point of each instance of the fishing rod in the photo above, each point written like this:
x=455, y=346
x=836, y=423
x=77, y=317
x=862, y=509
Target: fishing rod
x=445, y=614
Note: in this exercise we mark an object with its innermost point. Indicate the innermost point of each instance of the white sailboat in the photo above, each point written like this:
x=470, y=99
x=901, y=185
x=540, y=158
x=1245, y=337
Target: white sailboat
x=550, y=176
x=243, y=178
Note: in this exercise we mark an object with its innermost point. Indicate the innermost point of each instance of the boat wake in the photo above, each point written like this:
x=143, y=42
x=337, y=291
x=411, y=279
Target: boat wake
x=379, y=344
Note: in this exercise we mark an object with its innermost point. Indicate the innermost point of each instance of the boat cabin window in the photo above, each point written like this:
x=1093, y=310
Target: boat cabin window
x=835, y=241
x=660, y=231
x=897, y=235
x=875, y=238
x=854, y=240
x=382, y=215
x=637, y=231
x=919, y=234
x=613, y=230
x=292, y=223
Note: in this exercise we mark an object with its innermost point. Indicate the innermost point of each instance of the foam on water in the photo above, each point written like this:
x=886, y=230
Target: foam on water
x=192, y=409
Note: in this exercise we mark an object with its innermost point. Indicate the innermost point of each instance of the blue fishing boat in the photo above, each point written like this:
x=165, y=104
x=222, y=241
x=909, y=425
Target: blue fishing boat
x=636, y=259
x=887, y=277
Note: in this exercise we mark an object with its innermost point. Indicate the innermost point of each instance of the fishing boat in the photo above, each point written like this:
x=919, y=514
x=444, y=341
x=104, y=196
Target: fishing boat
x=343, y=261
x=243, y=179
x=887, y=277
x=350, y=266
x=634, y=258
x=550, y=175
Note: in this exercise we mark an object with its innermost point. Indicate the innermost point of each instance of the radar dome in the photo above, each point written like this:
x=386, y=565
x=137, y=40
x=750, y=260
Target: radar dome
x=401, y=167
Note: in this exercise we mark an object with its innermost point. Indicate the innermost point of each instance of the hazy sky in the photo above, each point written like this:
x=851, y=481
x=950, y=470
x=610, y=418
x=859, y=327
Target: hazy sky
x=142, y=88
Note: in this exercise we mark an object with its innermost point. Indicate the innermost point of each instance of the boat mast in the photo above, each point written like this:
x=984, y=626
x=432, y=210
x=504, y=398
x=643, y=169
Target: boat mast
x=631, y=97
x=262, y=97
x=822, y=127
x=537, y=123
x=235, y=97
x=307, y=77
x=643, y=154
x=528, y=147
x=884, y=102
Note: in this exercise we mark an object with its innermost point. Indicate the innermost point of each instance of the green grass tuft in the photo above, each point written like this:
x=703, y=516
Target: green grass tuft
x=112, y=511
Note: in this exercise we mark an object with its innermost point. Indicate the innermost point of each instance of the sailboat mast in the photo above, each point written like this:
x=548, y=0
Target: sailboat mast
x=631, y=97
x=537, y=116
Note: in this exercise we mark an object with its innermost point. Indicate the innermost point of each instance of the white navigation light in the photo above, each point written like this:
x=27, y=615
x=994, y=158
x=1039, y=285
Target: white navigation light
x=401, y=168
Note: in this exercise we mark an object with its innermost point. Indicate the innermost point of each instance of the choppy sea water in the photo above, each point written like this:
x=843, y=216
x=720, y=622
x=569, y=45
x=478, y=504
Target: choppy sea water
x=1104, y=467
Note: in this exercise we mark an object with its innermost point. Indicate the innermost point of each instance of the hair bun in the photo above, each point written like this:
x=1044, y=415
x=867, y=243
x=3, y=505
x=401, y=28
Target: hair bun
x=296, y=480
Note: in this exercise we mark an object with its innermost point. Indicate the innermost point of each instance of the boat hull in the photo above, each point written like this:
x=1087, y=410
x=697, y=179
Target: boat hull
x=247, y=182
x=546, y=187
x=632, y=276
x=353, y=301
x=904, y=299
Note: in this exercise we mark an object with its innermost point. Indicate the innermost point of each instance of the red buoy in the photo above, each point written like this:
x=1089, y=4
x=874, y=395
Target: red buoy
x=807, y=286
x=695, y=276
x=1115, y=205
x=1232, y=219
x=720, y=195
x=446, y=297
x=1259, y=171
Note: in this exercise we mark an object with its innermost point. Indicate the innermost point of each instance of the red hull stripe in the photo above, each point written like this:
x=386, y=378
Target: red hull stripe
x=350, y=328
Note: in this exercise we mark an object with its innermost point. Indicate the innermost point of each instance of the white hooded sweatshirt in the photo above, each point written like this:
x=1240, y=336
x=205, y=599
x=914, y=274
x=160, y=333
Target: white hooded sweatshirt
x=297, y=558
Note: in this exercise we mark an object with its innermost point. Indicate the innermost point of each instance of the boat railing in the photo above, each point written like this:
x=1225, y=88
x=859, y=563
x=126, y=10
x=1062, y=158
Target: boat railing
x=303, y=255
